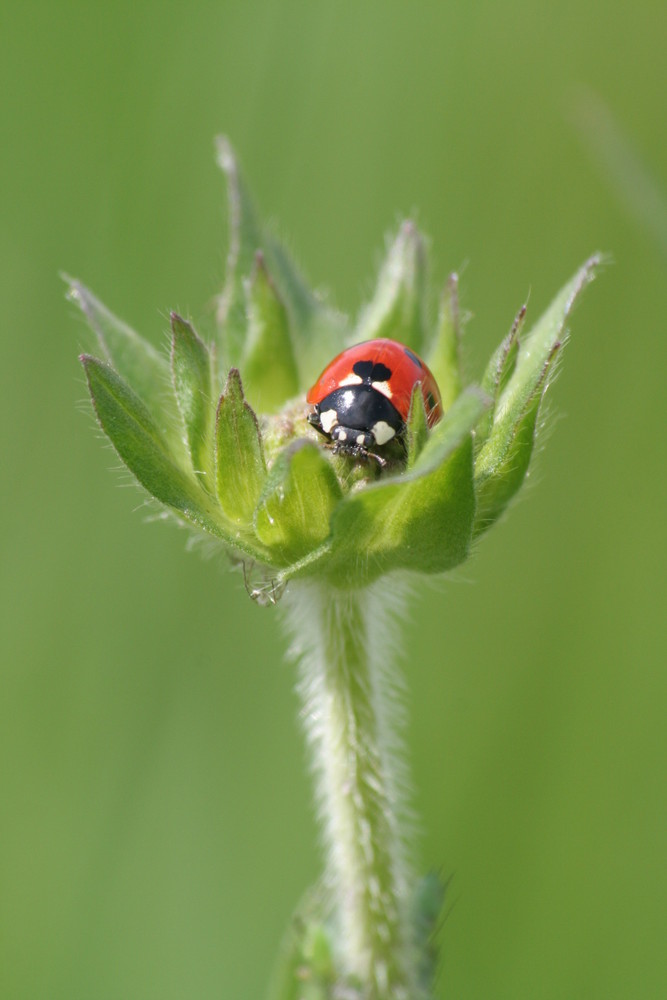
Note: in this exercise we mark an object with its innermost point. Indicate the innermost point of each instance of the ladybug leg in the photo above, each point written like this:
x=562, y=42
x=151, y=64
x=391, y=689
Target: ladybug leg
x=355, y=443
x=357, y=451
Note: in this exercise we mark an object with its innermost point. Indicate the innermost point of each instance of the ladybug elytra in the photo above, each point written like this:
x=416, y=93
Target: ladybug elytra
x=362, y=398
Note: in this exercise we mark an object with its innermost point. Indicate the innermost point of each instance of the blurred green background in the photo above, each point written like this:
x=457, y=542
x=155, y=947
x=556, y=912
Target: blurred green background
x=156, y=820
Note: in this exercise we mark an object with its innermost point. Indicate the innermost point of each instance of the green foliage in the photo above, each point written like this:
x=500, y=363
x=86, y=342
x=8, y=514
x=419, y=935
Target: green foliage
x=266, y=486
x=240, y=468
x=420, y=519
x=269, y=365
x=315, y=328
x=142, y=446
x=192, y=377
x=518, y=376
x=398, y=308
x=293, y=514
x=444, y=358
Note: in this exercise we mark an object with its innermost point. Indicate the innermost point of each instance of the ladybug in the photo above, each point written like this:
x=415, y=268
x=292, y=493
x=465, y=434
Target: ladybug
x=362, y=398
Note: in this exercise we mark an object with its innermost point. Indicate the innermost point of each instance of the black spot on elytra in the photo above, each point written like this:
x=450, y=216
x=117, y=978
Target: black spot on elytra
x=370, y=372
x=413, y=357
x=430, y=399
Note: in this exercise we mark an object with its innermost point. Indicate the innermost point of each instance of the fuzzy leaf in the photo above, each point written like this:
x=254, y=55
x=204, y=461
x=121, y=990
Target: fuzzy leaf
x=498, y=372
x=416, y=432
x=293, y=514
x=421, y=520
x=240, y=469
x=305, y=967
x=191, y=374
x=269, y=368
x=142, y=447
x=316, y=329
x=495, y=492
x=398, y=308
x=505, y=455
x=444, y=358
x=427, y=913
x=144, y=369
x=245, y=239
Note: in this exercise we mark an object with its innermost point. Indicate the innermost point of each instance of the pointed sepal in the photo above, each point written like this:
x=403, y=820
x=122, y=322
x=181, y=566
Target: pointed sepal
x=444, y=358
x=192, y=377
x=416, y=428
x=398, y=307
x=497, y=374
x=420, y=520
x=295, y=508
x=270, y=371
x=240, y=469
x=245, y=239
x=316, y=329
x=141, y=445
x=503, y=460
x=137, y=362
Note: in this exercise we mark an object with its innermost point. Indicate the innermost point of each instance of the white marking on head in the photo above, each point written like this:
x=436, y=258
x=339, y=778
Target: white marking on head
x=384, y=388
x=327, y=420
x=340, y=433
x=351, y=379
x=382, y=432
x=361, y=438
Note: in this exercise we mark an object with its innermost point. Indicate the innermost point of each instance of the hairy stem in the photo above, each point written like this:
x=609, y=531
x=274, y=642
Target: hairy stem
x=345, y=645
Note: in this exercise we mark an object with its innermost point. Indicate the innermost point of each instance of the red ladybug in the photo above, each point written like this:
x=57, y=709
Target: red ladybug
x=362, y=398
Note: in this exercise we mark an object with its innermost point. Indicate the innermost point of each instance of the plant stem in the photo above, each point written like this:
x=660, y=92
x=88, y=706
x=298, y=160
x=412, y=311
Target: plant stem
x=345, y=645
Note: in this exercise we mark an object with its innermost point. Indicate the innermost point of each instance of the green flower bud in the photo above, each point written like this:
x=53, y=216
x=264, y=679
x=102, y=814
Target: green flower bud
x=252, y=471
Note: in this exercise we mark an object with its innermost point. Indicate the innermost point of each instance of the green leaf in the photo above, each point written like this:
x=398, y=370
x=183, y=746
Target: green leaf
x=398, y=308
x=316, y=329
x=495, y=492
x=245, y=239
x=240, y=469
x=504, y=458
x=416, y=431
x=305, y=968
x=498, y=372
x=295, y=508
x=444, y=358
x=191, y=374
x=421, y=520
x=142, y=447
x=269, y=367
x=427, y=912
x=144, y=369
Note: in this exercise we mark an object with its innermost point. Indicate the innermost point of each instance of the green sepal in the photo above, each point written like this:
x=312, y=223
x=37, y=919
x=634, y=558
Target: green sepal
x=427, y=908
x=497, y=374
x=245, y=239
x=270, y=372
x=305, y=969
x=503, y=459
x=240, y=469
x=316, y=329
x=444, y=357
x=416, y=428
x=420, y=520
x=143, y=448
x=191, y=375
x=398, y=307
x=495, y=492
x=138, y=363
x=294, y=511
